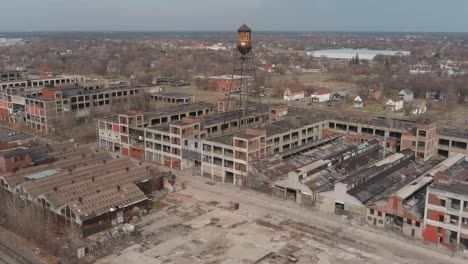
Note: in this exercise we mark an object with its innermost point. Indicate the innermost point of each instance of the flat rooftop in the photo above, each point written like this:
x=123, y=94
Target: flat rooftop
x=276, y=168
x=172, y=94
x=392, y=123
x=226, y=139
x=414, y=192
x=450, y=132
x=162, y=112
x=403, y=179
x=377, y=168
x=10, y=135
x=460, y=188
x=459, y=171
x=324, y=180
x=229, y=116
x=151, y=114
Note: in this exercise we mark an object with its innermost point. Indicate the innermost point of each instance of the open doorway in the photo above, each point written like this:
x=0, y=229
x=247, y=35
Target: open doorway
x=339, y=208
x=229, y=177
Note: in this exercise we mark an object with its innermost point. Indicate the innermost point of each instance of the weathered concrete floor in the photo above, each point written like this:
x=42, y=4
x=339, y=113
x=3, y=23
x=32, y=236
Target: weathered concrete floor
x=196, y=227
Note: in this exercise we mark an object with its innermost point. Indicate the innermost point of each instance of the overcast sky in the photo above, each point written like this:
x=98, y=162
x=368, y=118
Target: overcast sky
x=289, y=15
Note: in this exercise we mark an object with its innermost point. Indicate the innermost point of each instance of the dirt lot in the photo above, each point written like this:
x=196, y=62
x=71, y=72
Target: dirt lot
x=197, y=225
x=15, y=249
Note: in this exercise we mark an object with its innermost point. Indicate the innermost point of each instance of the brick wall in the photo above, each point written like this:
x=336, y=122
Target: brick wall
x=47, y=94
x=433, y=199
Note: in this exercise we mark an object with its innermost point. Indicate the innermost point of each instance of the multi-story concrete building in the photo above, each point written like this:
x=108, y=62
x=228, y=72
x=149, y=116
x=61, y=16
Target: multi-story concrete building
x=180, y=137
x=403, y=210
x=228, y=157
x=171, y=98
x=125, y=133
x=41, y=82
x=446, y=213
x=315, y=170
x=178, y=144
x=7, y=76
x=451, y=141
x=395, y=134
x=43, y=111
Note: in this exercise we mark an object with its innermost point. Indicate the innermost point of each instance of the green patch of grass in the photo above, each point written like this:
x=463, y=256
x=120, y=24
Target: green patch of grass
x=303, y=77
x=314, y=77
x=157, y=205
x=444, y=112
x=374, y=107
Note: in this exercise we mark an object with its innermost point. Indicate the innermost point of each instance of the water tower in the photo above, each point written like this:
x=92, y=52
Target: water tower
x=244, y=75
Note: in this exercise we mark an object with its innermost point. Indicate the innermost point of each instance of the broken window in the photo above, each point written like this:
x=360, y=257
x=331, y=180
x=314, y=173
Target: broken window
x=441, y=218
x=451, y=237
x=453, y=219
x=456, y=204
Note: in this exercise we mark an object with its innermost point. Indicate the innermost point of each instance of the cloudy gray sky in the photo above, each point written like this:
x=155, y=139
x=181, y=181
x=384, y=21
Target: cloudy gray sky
x=289, y=15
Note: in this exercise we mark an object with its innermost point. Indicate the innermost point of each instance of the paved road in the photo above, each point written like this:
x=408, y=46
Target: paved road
x=390, y=246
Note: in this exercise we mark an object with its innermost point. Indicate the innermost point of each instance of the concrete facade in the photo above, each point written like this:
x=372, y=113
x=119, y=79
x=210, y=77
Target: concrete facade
x=446, y=213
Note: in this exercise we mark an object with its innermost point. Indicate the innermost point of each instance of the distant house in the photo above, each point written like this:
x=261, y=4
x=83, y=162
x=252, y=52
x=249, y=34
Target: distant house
x=436, y=95
x=446, y=65
x=294, y=92
x=418, y=107
x=270, y=68
x=360, y=101
x=420, y=68
x=320, y=95
x=339, y=96
x=406, y=94
x=449, y=73
x=47, y=71
x=394, y=104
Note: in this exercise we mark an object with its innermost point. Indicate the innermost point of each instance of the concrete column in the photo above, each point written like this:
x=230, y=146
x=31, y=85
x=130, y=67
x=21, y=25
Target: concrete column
x=201, y=167
x=223, y=172
x=298, y=197
x=212, y=165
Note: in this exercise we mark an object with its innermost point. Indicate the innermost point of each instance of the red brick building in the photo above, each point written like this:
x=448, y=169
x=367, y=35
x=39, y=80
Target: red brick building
x=12, y=159
x=224, y=83
x=446, y=216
